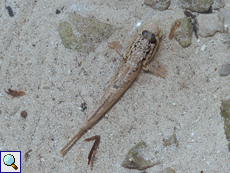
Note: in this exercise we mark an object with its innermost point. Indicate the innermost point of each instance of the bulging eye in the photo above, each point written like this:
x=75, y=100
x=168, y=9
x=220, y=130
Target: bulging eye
x=152, y=38
x=144, y=33
x=149, y=36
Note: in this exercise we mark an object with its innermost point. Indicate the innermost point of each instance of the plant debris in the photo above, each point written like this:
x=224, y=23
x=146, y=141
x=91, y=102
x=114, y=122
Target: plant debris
x=15, y=93
x=27, y=154
x=94, y=148
x=194, y=29
x=10, y=11
x=174, y=28
x=83, y=106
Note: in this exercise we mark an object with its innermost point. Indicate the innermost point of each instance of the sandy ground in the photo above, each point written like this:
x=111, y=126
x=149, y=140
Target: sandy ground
x=189, y=99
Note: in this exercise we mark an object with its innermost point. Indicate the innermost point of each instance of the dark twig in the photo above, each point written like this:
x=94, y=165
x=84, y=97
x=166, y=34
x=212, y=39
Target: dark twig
x=95, y=146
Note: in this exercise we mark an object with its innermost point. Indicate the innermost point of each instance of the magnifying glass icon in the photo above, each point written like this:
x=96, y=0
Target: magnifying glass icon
x=9, y=160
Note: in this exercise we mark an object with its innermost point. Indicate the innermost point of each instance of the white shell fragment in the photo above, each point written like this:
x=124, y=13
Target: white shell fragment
x=203, y=47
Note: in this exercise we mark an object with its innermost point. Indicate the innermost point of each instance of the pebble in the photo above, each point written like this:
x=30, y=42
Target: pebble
x=197, y=5
x=58, y=11
x=203, y=47
x=226, y=14
x=224, y=70
x=184, y=33
x=24, y=114
x=209, y=24
x=225, y=114
x=91, y=32
x=141, y=157
x=10, y=11
x=218, y=4
x=158, y=4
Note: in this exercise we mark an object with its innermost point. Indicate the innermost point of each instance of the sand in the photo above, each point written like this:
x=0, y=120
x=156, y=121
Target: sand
x=58, y=80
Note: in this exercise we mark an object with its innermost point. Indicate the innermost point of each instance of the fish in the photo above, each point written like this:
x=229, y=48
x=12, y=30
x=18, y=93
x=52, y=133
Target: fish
x=138, y=56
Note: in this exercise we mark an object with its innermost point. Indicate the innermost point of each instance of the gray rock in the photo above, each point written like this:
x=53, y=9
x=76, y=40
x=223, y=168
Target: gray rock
x=226, y=14
x=184, y=33
x=224, y=70
x=218, y=4
x=89, y=31
x=225, y=114
x=197, y=5
x=158, y=4
x=141, y=157
x=209, y=24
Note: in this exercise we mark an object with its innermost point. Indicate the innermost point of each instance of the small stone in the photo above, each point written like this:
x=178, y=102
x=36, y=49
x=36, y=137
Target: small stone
x=46, y=87
x=141, y=157
x=197, y=5
x=10, y=11
x=203, y=47
x=218, y=4
x=225, y=114
x=209, y=24
x=226, y=14
x=224, y=70
x=168, y=170
x=58, y=11
x=189, y=14
x=42, y=159
x=158, y=4
x=24, y=114
x=184, y=33
x=89, y=32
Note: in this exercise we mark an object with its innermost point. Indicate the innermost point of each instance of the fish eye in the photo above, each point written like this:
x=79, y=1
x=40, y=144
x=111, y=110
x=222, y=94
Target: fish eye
x=149, y=36
x=144, y=33
x=152, y=38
